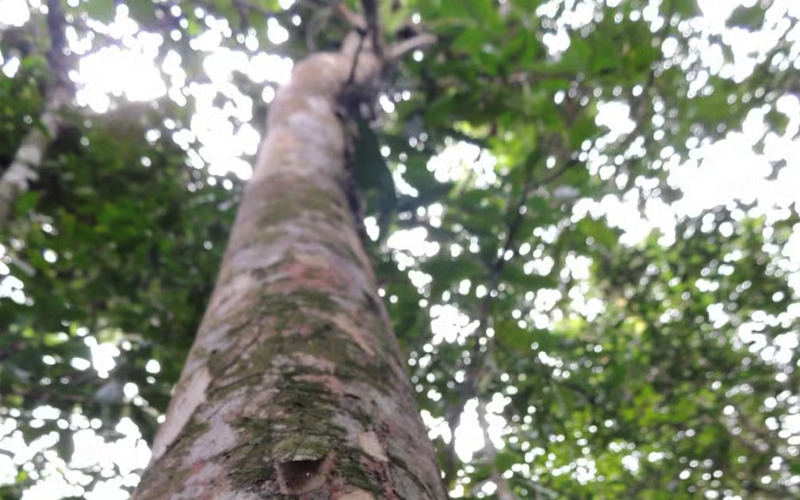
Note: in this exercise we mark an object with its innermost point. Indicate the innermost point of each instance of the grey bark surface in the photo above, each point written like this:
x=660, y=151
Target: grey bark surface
x=295, y=386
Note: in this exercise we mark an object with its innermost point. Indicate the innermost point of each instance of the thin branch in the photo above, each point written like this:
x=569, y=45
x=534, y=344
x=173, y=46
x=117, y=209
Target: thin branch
x=397, y=50
x=482, y=364
x=503, y=488
x=356, y=21
x=372, y=18
x=351, y=78
x=476, y=371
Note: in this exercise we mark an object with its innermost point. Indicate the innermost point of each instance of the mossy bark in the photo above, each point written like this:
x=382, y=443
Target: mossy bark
x=295, y=386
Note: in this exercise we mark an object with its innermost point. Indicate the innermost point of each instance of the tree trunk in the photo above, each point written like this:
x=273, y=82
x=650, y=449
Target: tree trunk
x=295, y=386
x=24, y=167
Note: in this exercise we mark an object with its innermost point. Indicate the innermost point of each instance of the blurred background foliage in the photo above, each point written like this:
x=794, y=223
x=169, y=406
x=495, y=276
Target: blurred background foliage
x=592, y=304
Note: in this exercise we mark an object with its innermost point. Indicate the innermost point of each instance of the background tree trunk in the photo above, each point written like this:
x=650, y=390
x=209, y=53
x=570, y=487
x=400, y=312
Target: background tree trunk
x=24, y=166
x=295, y=386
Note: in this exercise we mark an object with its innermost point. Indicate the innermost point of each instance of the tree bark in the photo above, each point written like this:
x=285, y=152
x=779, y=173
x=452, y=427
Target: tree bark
x=295, y=386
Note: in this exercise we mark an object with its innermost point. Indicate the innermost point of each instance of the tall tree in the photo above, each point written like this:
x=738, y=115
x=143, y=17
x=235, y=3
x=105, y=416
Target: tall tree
x=575, y=219
x=295, y=386
x=31, y=150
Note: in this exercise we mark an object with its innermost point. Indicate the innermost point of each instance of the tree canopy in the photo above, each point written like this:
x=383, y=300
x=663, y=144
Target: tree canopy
x=583, y=215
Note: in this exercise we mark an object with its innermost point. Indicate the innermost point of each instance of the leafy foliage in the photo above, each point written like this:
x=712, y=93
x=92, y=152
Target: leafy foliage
x=593, y=364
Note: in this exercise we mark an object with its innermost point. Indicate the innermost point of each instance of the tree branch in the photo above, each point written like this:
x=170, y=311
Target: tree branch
x=373, y=21
x=396, y=50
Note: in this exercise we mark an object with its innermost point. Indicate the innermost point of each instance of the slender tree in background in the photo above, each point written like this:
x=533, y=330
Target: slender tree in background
x=589, y=304
x=295, y=386
x=31, y=150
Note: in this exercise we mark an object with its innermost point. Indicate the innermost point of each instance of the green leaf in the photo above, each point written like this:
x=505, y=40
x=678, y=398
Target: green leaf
x=144, y=11
x=511, y=335
x=749, y=18
x=101, y=10
x=26, y=202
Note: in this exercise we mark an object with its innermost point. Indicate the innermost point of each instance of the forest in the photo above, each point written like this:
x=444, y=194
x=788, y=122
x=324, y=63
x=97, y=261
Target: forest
x=406, y=249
